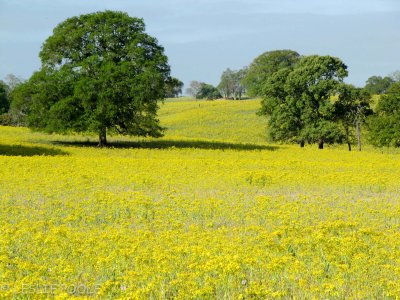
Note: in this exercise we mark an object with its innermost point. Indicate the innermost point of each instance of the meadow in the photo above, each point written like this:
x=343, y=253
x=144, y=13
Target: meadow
x=210, y=211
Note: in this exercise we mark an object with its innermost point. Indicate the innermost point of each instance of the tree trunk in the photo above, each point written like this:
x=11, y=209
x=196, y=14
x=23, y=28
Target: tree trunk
x=320, y=144
x=358, y=128
x=103, y=137
x=302, y=144
x=349, y=144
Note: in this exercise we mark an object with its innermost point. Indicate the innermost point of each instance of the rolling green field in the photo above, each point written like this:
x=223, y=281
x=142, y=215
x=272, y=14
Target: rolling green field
x=210, y=211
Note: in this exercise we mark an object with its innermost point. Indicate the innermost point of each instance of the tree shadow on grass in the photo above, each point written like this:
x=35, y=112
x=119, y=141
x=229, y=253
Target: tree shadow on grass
x=20, y=150
x=167, y=144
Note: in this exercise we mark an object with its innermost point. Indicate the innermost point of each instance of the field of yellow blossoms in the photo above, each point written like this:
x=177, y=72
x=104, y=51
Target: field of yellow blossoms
x=194, y=219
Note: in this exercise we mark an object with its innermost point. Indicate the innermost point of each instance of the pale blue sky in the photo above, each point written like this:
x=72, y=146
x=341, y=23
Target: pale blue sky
x=204, y=37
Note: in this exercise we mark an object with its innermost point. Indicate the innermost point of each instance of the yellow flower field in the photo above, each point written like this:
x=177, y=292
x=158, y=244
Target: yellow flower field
x=196, y=219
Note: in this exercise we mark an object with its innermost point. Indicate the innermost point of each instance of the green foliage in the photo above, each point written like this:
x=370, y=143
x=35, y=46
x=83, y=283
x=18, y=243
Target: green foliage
x=231, y=85
x=6, y=120
x=322, y=131
x=298, y=101
x=264, y=66
x=376, y=85
x=385, y=125
x=173, y=88
x=4, y=101
x=284, y=123
x=351, y=109
x=99, y=72
x=395, y=76
x=7, y=95
x=207, y=91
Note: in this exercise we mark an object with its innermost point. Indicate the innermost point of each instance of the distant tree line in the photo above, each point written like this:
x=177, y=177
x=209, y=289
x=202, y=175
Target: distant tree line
x=202, y=90
x=306, y=100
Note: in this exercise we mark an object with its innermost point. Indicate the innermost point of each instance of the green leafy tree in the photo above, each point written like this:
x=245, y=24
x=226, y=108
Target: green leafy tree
x=351, y=109
x=313, y=82
x=264, y=66
x=385, y=124
x=4, y=101
x=377, y=85
x=11, y=83
x=173, y=88
x=208, y=91
x=227, y=84
x=283, y=110
x=21, y=99
x=231, y=85
x=298, y=101
x=100, y=72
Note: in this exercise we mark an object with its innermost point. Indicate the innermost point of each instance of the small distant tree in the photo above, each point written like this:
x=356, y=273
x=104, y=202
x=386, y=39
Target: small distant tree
x=385, y=124
x=351, y=110
x=208, y=91
x=10, y=84
x=264, y=66
x=22, y=98
x=231, y=85
x=395, y=76
x=13, y=81
x=173, y=88
x=226, y=84
x=100, y=72
x=377, y=85
x=193, y=88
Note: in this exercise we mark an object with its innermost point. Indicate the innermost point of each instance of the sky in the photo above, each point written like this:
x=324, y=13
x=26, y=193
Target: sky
x=202, y=38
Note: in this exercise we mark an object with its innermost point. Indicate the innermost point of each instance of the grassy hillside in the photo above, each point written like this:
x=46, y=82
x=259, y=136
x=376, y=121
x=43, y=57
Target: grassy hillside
x=222, y=120
x=197, y=214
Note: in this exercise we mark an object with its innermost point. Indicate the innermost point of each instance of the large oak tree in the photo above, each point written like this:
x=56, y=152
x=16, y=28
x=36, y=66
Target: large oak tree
x=298, y=101
x=100, y=72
